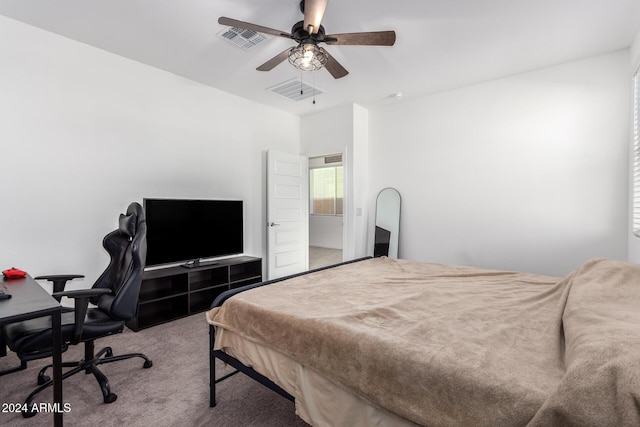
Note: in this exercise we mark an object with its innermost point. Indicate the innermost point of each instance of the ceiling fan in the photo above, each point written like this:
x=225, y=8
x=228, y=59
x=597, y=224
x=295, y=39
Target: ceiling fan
x=307, y=55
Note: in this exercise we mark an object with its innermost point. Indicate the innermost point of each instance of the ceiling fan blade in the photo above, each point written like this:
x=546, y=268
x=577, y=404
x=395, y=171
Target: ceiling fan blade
x=270, y=64
x=334, y=67
x=313, y=13
x=375, y=38
x=253, y=27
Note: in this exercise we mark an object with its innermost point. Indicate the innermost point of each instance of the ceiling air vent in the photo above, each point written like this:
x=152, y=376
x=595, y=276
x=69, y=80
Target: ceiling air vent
x=295, y=89
x=246, y=39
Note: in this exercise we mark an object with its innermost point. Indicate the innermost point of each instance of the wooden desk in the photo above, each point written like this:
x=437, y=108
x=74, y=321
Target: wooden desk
x=29, y=301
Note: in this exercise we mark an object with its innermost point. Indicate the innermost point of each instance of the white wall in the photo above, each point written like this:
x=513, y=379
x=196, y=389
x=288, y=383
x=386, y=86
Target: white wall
x=85, y=132
x=325, y=231
x=359, y=188
x=526, y=173
x=635, y=52
x=634, y=241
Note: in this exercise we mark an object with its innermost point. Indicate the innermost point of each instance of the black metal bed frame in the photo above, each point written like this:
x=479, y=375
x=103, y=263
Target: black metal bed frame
x=239, y=366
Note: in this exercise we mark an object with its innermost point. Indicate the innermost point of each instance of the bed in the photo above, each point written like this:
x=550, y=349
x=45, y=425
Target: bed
x=399, y=343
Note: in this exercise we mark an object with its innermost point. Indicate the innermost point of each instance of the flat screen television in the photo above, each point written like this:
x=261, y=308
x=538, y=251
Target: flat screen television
x=188, y=231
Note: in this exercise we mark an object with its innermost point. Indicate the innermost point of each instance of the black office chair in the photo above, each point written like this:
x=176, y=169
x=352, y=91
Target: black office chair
x=115, y=295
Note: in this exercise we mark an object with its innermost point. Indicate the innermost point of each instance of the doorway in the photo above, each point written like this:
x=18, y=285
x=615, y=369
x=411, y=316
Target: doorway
x=326, y=203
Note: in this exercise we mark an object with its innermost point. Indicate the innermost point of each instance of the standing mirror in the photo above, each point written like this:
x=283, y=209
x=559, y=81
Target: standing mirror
x=387, y=223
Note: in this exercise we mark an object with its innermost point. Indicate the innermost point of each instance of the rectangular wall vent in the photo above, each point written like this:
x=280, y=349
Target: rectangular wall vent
x=337, y=158
x=246, y=39
x=295, y=89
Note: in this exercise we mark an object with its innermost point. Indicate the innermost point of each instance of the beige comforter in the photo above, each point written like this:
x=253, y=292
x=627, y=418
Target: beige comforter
x=460, y=346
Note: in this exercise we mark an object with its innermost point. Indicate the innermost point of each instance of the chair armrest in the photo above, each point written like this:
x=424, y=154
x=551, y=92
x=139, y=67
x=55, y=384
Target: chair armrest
x=81, y=304
x=83, y=293
x=59, y=280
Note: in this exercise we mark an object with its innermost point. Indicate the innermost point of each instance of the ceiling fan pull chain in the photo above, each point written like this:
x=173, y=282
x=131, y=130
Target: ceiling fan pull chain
x=314, y=88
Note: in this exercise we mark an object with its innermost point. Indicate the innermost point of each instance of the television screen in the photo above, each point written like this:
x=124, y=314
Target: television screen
x=181, y=230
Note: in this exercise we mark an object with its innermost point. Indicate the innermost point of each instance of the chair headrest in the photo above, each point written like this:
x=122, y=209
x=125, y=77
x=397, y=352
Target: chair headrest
x=128, y=224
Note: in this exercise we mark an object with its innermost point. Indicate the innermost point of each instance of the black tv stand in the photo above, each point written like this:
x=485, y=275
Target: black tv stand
x=170, y=293
x=199, y=263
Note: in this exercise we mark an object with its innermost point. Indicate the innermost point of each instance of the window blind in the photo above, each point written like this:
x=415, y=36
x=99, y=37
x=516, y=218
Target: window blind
x=326, y=190
x=636, y=153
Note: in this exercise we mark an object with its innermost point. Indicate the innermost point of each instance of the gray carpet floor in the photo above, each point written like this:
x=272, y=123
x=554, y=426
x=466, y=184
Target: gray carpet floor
x=174, y=392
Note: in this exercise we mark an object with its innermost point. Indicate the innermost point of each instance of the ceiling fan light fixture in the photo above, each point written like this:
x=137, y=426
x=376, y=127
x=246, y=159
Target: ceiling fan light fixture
x=308, y=57
x=308, y=33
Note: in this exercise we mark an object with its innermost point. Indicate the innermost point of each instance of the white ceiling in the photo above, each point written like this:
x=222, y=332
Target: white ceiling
x=441, y=44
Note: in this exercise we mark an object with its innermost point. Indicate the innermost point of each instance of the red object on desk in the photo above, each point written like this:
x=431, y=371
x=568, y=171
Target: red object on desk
x=14, y=273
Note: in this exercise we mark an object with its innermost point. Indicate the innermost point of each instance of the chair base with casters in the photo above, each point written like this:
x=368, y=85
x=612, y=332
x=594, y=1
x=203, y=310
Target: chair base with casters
x=90, y=365
x=24, y=336
x=22, y=367
x=115, y=297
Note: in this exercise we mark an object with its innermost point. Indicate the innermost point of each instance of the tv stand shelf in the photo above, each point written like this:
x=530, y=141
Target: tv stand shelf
x=170, y=293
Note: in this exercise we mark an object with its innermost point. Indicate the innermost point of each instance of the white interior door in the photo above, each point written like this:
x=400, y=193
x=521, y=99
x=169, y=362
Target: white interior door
x=287, y=214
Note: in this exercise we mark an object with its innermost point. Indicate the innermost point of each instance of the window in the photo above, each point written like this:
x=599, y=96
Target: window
x=636, y=153
x=326, y=192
